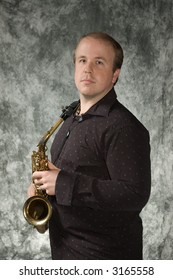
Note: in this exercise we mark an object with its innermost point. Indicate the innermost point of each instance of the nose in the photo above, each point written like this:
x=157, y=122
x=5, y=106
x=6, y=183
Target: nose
x=88, y=67
x=87, y=71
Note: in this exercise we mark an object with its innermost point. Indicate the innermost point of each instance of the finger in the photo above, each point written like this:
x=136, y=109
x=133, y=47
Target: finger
x=37, y=175
x=38, y=182
x=47, y=191
x=41, y=188
x=51, y=166
x=31, y=190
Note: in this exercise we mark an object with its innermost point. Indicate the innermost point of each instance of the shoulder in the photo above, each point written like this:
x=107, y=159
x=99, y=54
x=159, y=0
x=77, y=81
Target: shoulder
x=120, y=118
x=120, y=123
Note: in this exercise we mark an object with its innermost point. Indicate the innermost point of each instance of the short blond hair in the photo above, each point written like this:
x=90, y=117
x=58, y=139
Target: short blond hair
x=119, y=56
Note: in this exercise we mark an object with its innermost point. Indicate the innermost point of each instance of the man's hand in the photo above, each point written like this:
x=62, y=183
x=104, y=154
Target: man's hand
x=31, y=190
x=45, y=180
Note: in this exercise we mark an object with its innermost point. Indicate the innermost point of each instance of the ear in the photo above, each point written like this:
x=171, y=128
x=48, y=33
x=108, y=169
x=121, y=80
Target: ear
x=116, y=75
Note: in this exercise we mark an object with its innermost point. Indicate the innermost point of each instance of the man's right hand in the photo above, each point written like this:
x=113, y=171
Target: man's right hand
x=31, y=190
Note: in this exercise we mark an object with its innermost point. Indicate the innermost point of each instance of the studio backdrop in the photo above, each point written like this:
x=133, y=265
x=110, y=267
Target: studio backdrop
x=37, y=39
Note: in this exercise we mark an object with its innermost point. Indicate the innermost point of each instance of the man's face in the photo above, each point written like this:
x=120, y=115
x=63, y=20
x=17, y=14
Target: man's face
x=94, y=75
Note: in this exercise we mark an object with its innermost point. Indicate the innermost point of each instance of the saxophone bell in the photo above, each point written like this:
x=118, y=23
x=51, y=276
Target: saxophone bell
x=37, y=210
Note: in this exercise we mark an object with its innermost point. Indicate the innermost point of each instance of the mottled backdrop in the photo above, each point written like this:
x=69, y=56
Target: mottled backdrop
x=37, y=38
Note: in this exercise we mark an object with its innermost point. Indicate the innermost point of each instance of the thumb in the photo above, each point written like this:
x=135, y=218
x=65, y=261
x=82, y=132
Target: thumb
x=51, y=166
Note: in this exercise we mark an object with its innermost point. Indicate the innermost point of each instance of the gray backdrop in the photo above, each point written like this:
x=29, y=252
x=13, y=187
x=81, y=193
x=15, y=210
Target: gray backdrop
x=37, y=38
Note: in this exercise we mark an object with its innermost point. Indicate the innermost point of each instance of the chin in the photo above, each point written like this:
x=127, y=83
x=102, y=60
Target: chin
x=85, y=91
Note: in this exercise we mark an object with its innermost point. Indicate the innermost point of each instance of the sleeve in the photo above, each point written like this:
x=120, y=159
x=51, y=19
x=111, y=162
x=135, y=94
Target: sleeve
x=127, y=156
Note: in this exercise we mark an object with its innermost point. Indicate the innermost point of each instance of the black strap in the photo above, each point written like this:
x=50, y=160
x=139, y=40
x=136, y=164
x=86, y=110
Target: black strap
x=69, y=110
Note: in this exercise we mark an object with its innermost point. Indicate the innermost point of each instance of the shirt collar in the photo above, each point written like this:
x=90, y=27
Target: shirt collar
x=103, y=106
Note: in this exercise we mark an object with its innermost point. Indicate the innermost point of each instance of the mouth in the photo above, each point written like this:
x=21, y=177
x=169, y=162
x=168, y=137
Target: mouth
x=87, y=81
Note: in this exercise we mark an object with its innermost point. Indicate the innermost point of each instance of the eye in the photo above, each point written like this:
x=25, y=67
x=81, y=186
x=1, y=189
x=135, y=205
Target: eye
x=82, y=60
x=99, y=62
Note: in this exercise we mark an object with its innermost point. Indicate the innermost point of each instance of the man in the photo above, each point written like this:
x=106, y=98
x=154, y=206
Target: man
x=99, y=178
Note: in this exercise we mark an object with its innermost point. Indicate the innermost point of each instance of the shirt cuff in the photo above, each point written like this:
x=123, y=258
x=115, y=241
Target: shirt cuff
x=64, y=187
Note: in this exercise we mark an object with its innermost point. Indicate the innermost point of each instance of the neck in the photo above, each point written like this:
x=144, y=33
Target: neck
x=86, y=102
x=85, y=105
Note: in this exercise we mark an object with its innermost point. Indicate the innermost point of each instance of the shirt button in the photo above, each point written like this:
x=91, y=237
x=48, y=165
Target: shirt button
x=68, y=133
x=80, y=119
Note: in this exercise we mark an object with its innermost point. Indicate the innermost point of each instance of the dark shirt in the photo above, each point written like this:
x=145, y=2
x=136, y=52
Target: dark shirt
x=104, y=182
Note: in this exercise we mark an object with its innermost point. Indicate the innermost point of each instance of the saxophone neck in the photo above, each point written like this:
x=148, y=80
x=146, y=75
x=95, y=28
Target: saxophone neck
x=66, y=112
x=47, y=135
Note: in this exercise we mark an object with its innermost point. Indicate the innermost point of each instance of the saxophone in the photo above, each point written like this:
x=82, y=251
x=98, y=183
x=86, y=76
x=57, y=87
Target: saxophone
x=37, y=209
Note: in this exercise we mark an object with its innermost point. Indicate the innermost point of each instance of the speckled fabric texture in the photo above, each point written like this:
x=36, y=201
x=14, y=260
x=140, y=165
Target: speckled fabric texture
x=37, y=39
x=105, y=177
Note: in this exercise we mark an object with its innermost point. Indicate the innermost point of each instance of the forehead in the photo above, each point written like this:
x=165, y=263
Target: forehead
x=95, y=47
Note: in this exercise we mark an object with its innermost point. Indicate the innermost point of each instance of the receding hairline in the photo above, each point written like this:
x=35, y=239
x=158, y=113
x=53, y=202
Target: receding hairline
x=104, y=37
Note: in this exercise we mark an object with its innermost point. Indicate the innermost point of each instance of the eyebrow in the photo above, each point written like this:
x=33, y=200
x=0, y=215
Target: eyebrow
x=97, y=57
x=100, y=57
x=81, y=56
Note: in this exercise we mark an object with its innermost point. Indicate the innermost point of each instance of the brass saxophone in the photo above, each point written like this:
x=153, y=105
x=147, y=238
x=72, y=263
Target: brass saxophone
x=37, y=209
